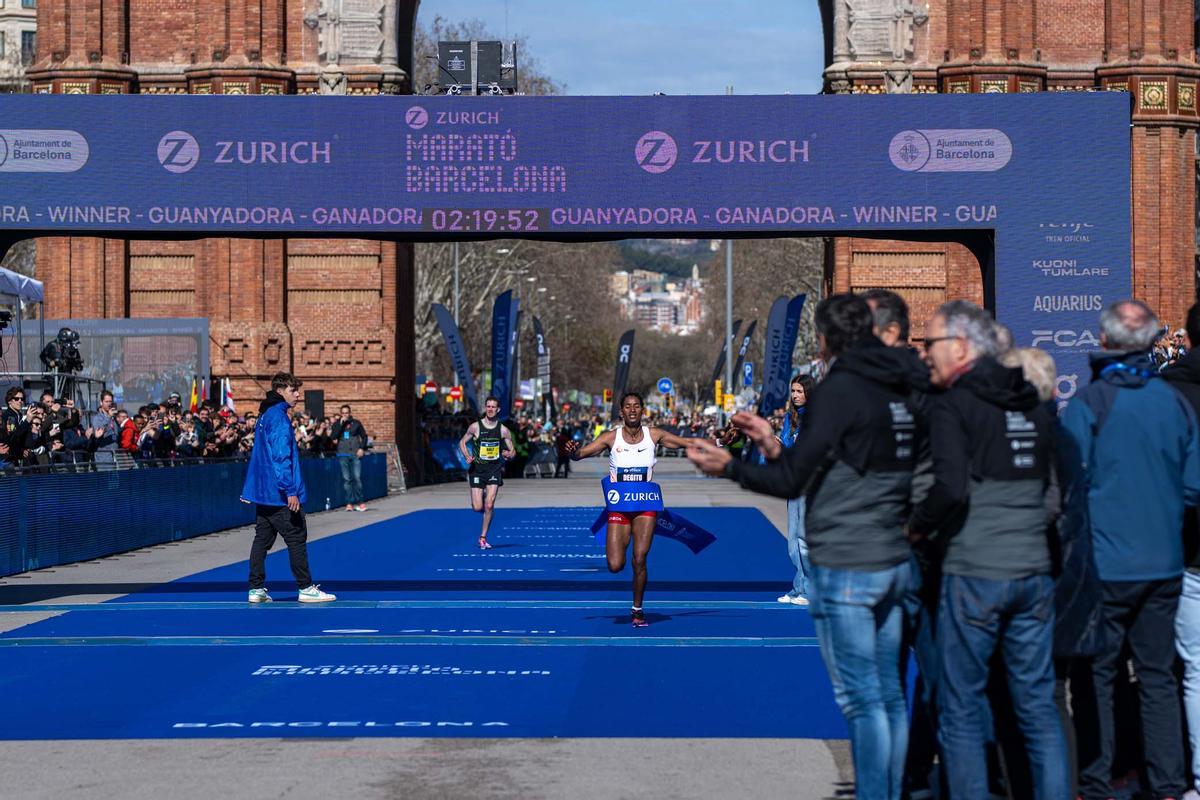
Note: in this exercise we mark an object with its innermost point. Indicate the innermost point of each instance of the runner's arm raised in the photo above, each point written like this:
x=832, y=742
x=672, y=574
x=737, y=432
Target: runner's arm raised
x=472, y=432
x=597, y=445
x=667, y=439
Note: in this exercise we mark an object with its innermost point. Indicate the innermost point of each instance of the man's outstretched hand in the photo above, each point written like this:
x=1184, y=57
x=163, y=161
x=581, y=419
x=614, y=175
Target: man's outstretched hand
x=760, y=432
x=708, y=457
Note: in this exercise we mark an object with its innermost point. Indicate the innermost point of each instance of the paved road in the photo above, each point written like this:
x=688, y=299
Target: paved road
x=797, y=769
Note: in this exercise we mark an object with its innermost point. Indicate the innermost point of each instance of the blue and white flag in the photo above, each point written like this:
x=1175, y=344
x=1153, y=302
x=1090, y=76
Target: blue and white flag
x=503, y=316
x=782, y=326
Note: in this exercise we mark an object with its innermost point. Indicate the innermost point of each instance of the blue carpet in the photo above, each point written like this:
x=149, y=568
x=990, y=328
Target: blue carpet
x=432, y=637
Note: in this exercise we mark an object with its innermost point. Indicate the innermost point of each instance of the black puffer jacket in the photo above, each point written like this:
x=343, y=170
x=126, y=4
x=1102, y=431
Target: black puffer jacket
x=992, y=459
x=854, y=461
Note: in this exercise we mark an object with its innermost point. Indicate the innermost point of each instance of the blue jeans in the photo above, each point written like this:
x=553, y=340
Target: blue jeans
x=798, y=548
x=859, y=620
x=1187, y=643
x=976, y=617
x=352, y=478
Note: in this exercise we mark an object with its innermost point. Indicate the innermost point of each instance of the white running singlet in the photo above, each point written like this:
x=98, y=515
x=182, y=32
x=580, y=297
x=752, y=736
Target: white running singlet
x=631, y=462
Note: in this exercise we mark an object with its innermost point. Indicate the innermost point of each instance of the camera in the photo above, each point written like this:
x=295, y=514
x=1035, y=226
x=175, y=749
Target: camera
x=62, y=354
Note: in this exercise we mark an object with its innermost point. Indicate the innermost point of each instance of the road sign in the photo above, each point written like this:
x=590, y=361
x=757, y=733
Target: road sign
x=729, y=400
x=456, y=393
x=431, y=387
x=665, y=386
x=748, y=374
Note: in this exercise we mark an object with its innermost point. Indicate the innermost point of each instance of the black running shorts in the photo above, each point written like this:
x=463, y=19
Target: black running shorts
x=491, y=476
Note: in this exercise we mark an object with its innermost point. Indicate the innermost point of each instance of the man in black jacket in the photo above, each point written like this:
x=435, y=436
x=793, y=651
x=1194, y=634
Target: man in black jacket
x=991, y=441
x=855, y=462
x=1184, y=375
x=351, y=440
x=892, y=325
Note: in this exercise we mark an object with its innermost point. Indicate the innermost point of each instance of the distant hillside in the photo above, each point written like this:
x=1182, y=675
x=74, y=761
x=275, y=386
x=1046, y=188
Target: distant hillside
x=662, y=255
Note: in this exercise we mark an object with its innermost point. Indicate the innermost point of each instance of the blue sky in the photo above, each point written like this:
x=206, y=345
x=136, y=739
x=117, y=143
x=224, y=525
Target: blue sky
x=611, y=47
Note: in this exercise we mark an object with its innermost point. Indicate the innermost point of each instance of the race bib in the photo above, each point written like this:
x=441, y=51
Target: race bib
x=627, y=474
x=489, y=452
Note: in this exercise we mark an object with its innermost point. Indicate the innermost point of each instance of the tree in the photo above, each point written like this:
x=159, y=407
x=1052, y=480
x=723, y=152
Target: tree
x=532, y=78
x=764, y=269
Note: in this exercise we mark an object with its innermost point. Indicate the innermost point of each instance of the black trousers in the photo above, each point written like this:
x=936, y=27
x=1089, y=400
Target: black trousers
x=1142, y=614
x=272, y=521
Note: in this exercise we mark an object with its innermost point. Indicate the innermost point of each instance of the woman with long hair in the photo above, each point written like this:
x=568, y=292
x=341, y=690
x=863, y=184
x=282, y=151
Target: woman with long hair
x=801, y=388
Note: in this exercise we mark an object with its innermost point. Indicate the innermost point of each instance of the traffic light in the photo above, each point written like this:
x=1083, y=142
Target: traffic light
x=718, y=399
x=608, y=395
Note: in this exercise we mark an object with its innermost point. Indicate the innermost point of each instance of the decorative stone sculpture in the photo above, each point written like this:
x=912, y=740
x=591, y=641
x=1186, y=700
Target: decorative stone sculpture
x=875, y=30
x=355, y=32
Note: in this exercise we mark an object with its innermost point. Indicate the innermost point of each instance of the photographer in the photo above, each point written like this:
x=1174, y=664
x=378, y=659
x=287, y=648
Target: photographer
x=104, y=424
x=187, y=443
x=12, y=423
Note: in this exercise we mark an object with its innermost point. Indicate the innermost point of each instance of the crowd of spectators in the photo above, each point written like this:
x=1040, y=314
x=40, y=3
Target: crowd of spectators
x=37, y=433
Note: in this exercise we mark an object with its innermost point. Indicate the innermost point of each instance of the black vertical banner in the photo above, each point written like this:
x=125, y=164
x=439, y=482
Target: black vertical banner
x=624, y=357
x=458, y=354
x=543, y=370
x=737, y=368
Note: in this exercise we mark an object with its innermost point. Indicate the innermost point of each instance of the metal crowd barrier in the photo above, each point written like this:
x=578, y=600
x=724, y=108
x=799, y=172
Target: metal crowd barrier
x=50, y=518
x=541, y=463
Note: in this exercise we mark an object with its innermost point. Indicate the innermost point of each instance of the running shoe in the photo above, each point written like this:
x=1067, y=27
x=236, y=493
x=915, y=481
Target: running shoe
x=259, y=596
x=639, y=618
x=483, y=544
x=799, y=601
x=360, y=507
x=348, y=507
x=785, y=598
x=313, y=594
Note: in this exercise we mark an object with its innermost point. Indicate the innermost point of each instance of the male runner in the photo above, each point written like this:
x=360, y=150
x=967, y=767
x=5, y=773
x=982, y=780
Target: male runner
x=486, y=470
x=631, y=458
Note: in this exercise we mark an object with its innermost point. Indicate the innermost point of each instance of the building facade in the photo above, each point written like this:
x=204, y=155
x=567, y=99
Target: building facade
x=951, y=46
x=18, y=43
x=338, y=312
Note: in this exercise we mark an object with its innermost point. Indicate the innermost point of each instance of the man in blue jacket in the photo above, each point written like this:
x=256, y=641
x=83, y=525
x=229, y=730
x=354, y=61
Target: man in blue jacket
x=1138, y=448
x=275, y=486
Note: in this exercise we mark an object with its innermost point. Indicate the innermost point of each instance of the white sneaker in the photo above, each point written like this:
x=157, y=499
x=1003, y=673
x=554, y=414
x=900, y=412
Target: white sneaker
x=259, y=596
x=799, y=601
x=313, y=594
x=784, y=598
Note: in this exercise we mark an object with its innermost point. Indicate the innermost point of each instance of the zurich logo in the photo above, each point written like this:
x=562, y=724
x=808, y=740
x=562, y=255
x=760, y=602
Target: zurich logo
x=416, y=117
x=178, y=151
x=656, y=152
x=614, y=497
